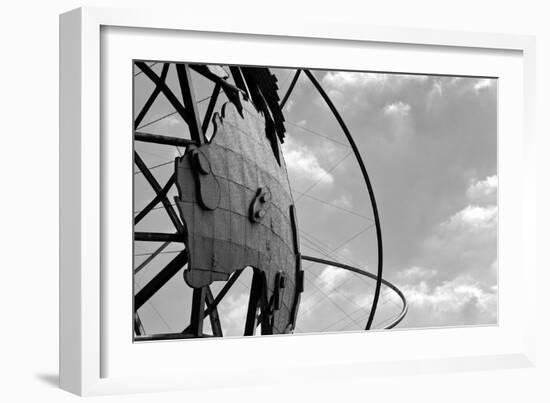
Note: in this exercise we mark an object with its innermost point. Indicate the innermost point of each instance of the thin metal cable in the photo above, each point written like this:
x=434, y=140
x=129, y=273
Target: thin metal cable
x=342, y=258
x=328, y=254
x=160, y=253
x=332, y=301
x=332, y=205
x=317, y=134
x=152, y=153
x=150, y=302
x=338, y=247
x=151, y=257
x=290, y=88
x=167, y=115
x=322, y=176
x=155, y=166
x=370, y=190
x=151, y=65
x=156, y=208
x=364, y=314
x=318, y=289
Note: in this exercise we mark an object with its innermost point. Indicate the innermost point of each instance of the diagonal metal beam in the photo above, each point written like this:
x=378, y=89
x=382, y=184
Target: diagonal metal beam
x=156, y=187
x=254, y=303
x=160, y=279
x=290, y=88
x=214, y=317
x=157, y=199
x=153, y=96
x=158, y=237
x=138, y=325
x=164, y=89
x=230, y=90
x=223, y=292
x=210, y=109
x=168, y=336
x=188, y=96
x=220, y=295
x=151, y=257
x=197, y=312
x=238, y=78
x=161, y=139
x=205, y=72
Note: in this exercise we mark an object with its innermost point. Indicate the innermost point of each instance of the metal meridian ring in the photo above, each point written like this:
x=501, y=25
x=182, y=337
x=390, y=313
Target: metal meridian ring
x=405, y=307
x=370, y=191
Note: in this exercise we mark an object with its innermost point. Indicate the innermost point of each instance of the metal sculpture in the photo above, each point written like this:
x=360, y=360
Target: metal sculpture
x=237, y=208
x=234, y=201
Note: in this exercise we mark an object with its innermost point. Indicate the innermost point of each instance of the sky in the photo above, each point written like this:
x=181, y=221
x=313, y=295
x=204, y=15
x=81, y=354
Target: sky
x=429, y=144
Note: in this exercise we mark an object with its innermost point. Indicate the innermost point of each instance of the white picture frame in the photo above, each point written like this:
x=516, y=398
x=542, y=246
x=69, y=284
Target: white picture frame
x=91, y=361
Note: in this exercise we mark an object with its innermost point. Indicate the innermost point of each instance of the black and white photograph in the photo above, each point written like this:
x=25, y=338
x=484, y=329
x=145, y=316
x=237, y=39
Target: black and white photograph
x=288, y=200
x=275, y=202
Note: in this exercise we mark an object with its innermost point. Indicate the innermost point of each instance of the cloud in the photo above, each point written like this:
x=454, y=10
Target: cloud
x=466, y=242
x=364, y=300
x=173, y=120
x=473, y=217
x=357, y=92
x=303, y=164
x=233, y=313
x=483, y=84
x=422, y=137
x=307, y=307
x=397, y=109
x=465, y=85
x=341, y=79
x=399, y=126
x=460, y=301
x=437, y=88
x=463, y=244
x=454, y=279
x=435, y=93
x=481, y=213
x=415, y=274
x=483, y=191
x=343, y=201
x=332, y=277
x=289, y=105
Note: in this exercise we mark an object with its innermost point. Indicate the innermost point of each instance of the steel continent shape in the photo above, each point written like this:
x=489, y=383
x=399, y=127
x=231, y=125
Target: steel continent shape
x=237, y=206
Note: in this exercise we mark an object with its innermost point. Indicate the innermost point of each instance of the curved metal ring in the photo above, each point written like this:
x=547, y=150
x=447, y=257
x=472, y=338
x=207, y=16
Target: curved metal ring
x=405, y=307
x=370, y=190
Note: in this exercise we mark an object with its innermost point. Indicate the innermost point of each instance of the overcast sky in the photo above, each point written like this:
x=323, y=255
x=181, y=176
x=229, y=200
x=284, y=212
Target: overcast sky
x=429, y=144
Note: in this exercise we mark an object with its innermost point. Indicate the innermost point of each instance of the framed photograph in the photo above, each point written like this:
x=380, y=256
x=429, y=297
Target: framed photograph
x=239, y=207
